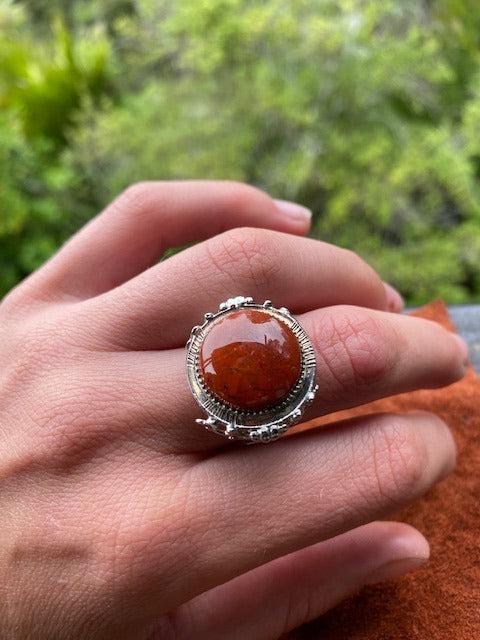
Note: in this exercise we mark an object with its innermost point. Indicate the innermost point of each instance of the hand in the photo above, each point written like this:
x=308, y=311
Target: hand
x=122, y=518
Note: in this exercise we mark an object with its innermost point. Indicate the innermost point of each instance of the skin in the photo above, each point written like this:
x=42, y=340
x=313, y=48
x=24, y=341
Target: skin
x=121, y=518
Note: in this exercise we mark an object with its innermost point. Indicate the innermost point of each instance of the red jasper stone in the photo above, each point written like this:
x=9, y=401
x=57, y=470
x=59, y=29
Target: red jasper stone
x=250, y=359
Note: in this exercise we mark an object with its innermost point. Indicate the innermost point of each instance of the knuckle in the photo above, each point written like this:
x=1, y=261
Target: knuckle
x=35, y=347
x=11, y=303
x=358, y=263
x=299, y=610
x=243, y=197
x=134, y=200
x=19, y=302
x=352, y=257
x=30, y=347
x=400, y=459
x=248, y=256
x=367, y=279
x=78, y=418
x=356, y=349
x=74, y=425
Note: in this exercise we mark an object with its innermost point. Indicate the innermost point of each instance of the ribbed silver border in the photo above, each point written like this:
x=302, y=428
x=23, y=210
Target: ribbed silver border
x=251, y=426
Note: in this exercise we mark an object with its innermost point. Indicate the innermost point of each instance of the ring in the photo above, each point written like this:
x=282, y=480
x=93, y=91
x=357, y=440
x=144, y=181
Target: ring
x=251, y=367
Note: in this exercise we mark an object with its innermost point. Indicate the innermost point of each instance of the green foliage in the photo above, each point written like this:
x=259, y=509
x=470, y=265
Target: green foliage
x=367, y=112
x=32, y=224
x=44, y=82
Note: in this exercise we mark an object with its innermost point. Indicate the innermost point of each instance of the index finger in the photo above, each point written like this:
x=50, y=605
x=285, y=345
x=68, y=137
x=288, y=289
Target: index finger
x=133, y=232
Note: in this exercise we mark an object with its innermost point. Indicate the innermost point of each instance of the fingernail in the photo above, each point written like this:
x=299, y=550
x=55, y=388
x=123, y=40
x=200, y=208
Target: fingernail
x=395, y=568
x=462, y=347
x=293, y=210
x=394, y=299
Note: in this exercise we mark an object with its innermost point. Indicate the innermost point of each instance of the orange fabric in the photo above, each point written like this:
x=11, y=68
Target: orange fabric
x=442, y=600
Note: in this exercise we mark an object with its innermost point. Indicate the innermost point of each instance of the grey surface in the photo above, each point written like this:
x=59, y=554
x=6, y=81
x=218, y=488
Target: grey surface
x=466, y=318
x=467, y=321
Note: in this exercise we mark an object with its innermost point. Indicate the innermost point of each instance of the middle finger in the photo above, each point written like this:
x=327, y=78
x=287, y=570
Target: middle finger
x=157, y=309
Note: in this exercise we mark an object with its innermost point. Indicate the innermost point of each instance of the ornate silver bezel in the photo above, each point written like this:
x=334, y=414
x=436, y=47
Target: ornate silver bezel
x=251, y=426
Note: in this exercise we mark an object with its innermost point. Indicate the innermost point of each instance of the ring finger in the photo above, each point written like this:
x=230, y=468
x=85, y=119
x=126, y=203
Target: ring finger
x=362, y=355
